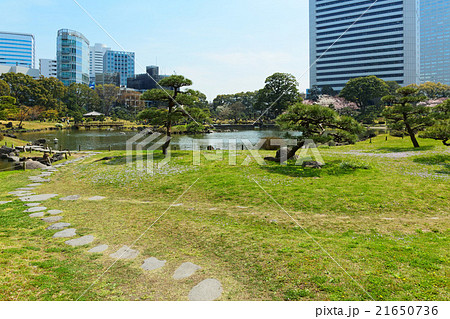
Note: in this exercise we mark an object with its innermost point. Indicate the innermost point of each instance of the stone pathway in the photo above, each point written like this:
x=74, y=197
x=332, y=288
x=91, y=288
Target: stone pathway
x=58, y=226
x=32, y=204
x=52, y=219
x=85, y=240
x=35, y=209
x=98, y=249
x=71, y=232
x=152, y=264
x=96, y=198
x=125, y=253
x=38, y=198
x=206, y=290
x=54, y=212
x=71, y=197
x=185, y=270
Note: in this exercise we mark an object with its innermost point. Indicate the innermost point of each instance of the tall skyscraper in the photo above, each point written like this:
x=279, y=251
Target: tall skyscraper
x=119, y=62
x=17, y=49
x=382, y=40
x=48, y=68
x=435, y=41
x=72, y=57
x=96, y=54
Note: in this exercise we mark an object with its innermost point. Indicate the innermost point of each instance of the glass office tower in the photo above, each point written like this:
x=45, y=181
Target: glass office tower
x=355, y=38
x=119, y=62
x=17, y=49
x=435, y=41
x=72, y=57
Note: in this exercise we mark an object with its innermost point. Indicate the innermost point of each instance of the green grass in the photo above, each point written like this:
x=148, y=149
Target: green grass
x=383, y=218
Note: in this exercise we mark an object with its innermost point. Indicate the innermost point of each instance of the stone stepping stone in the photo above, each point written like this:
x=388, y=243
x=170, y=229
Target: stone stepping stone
x=71, y=232
x=207, y=290
x=34, y=185
x=58, y=226
x=71, y=197
x=152, y=263
x=54, y=212
x=177, y=205
x=241, y=207
x=25, y=189
x=38, y=198
x=35, y=209
x=85, y=240
x=5, y=202
x=20, y=193
x=125, y=253
x=38, y=179
x=36, y=215
x=95, y=198
x=98, y=249
x=33, y=204
x=185, y=270
x=52, y=219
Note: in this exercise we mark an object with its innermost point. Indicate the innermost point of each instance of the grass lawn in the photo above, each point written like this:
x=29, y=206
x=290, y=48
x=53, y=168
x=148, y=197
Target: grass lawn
x=380, y=210
x=30, y=125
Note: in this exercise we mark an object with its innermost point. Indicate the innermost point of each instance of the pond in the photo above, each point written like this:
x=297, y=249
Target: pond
x=102, y=139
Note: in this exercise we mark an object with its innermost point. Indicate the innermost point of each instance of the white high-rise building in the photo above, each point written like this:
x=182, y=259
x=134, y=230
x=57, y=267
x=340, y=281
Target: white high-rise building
x=356, y=38
x=48, y=68
x=96, y=54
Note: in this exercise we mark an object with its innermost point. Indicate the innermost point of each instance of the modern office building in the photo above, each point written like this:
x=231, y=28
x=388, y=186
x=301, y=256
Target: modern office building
x=119, y=62
x=34, y=73
x=96, y=54
x=72, y=57
x=435, y=41
x=48, y=68
x=355, y=38
x=146, y=81
x=17, y=49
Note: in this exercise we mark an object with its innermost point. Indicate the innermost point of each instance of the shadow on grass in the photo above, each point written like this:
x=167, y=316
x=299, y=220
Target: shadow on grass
x=331, y=168
x=404, y=149
x=124, y=159
x=439, y=159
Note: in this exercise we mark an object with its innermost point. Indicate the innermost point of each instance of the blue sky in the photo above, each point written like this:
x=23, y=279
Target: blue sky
x=223, y=46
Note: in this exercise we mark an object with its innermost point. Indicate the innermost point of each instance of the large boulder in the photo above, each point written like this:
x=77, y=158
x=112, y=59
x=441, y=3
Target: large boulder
x=30, y=164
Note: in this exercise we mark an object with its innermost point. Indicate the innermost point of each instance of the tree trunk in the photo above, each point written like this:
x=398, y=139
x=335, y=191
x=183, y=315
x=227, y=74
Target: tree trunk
x=411, y=132
x=290, y=153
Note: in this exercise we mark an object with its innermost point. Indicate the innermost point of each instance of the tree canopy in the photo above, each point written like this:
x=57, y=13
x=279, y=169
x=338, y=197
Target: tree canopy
x=174, y=105
x=404, y=114
x=364, y=91
x=318, y=123
x=280, y=91
x=440, y=130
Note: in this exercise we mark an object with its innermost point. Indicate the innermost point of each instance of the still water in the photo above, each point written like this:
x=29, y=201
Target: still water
x=102, y=140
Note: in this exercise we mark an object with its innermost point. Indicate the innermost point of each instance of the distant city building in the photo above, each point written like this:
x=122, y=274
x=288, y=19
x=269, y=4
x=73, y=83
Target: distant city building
x=48, y=68
x=72, y=57
x=435, y=41
x=107, y=78
x=34, y=73
x=96, y=54
x=384, y=41
x=119, y=62
x=17, y=49
x=147, y=81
